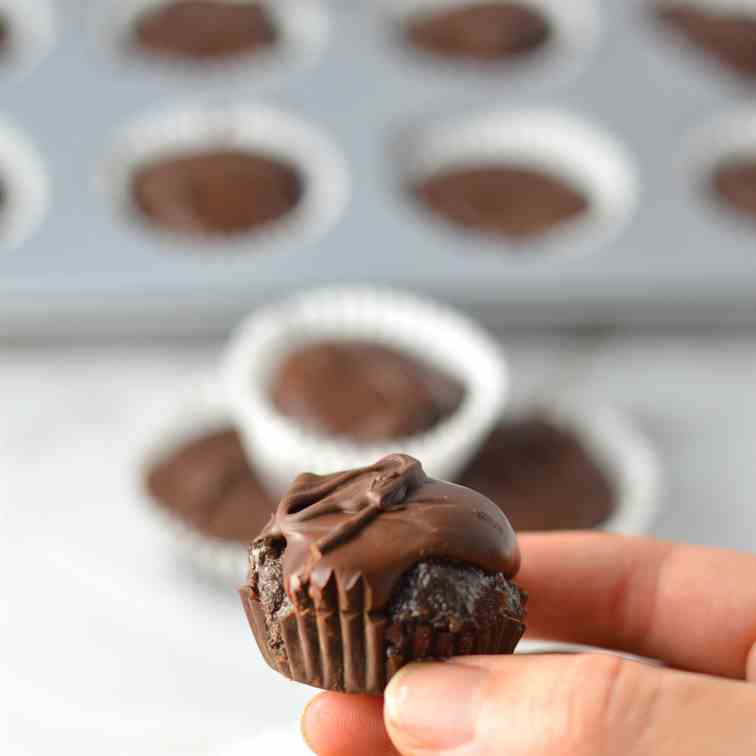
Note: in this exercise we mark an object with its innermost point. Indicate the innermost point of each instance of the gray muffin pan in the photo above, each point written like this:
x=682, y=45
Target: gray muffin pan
x=612, y=102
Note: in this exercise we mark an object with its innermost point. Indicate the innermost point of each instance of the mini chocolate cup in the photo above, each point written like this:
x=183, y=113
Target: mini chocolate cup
x=340, y=646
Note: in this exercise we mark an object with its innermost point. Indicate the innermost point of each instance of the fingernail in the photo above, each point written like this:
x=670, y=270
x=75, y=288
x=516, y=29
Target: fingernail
x=304, y=720
x=432, y=705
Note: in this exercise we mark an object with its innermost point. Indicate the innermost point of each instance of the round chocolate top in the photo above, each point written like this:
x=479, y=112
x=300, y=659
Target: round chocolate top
x=208, y=483
x=216, y=192
x=734, y=182
x=362, y=390
x=204, y=29
x=359, y=531
x=543, y=476
x=729, y=37
x=480, y=31
x=503, y=200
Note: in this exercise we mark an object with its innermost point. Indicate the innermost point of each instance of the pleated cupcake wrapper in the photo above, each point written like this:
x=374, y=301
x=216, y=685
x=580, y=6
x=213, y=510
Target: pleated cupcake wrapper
x=32, y=36
x=345, y=647
x=26, y=184
x=434, y=334
x=621, y=451
x=202, y=409
x=303, y=30
x=557, y=142
x=256, y=128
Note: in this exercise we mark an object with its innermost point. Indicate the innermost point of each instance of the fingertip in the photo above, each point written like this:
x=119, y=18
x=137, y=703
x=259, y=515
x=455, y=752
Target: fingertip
x=308, y=721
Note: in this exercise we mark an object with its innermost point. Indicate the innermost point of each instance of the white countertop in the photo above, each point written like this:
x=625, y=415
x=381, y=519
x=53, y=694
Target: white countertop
x=107, y=646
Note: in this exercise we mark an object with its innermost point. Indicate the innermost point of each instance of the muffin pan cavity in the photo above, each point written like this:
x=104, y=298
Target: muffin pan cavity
x=241, y=178
x=525, y=181
x=256, y=38
x=24, y=187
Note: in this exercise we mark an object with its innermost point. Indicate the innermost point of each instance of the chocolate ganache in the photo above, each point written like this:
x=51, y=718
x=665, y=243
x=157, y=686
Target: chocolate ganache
x=376, y=522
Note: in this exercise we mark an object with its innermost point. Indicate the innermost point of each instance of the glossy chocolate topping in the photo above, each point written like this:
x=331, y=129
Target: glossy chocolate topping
x=504, y=200
x=734, y=182
x=216, y=192
x=730, y=37
x=370, y=525
x=480, y=31
x=204, y=29
x=362, y=390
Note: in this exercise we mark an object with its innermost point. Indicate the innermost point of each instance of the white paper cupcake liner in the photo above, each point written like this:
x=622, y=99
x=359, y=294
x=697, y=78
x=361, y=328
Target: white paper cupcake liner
x=26, y=186
x=256, y=128
x=556, y=142
x=621, y=452
x=574, y=25
x=33, y=28
x=283, y=448
x=728, y=137
x=201, y=410
x=303, y=28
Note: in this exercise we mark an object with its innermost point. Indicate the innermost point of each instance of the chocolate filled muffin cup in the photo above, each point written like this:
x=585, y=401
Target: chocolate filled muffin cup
x=27, y=35
x=274, y=138
x=561, y=46
x=621, y=452
x=423, y=330
x=296, y=35
x=588, y=161
x=199, y=412
x=24, y=187
x=720, y=164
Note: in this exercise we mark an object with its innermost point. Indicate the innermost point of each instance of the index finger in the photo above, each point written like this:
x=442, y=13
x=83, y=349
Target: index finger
x=692, y=607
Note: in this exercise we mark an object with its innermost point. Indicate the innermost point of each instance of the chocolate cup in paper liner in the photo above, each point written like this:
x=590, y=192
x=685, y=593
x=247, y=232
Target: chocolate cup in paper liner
x=361, y=572
x=31, y=31
x=621, y=455
x=431, y=333
x=199, y=411
x=556, y=143
x=727, y=141
x=573, y=30
x=24, y=186
x=302, y=29
x=256, y=129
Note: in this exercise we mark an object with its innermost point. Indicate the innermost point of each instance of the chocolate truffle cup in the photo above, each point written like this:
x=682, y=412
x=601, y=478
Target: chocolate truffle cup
x=361, y=572
x=426, y=331
x=302, y=29
x=25, y=187
x=620, y=451
x=558, y=143
x=573, y=32
x=201, y=410
x=255, y=128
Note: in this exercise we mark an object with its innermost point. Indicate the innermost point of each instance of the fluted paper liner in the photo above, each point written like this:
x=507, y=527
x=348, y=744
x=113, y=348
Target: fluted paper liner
x=338, y=645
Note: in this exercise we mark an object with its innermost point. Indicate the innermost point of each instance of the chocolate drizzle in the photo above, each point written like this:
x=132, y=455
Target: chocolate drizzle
x=362, y=529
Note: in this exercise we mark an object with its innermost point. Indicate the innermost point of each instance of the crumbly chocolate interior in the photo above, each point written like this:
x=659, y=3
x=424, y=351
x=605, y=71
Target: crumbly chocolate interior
x=448, y=596
x=728, y=37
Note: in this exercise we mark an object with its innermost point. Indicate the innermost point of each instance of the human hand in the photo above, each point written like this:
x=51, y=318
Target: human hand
x=691, y=607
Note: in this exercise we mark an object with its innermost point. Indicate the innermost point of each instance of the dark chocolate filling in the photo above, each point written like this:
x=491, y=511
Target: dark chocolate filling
x=734, y=182
x=730, y=38
x=213, y=192
x=501, y=200
x=480, y=31
x=204, y=29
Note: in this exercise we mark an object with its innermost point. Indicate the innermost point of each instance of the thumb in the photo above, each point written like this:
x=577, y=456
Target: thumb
x=581, y=705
